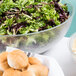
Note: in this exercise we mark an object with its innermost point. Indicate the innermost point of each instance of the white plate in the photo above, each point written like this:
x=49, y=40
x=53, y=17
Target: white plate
x=51, y=63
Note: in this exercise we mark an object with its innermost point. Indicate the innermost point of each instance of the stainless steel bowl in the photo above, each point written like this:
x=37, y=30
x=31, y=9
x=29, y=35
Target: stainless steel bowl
x=38, y=42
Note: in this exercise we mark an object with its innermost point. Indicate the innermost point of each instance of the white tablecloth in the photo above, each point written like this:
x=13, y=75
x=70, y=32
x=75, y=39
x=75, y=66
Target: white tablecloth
x=63, y=55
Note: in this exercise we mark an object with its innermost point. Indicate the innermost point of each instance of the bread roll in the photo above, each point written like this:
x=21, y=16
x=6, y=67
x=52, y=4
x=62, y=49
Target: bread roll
x=39, y=70
x=1, y=73
x=11, y=72
x=28, y=73
x=17, y=59
x=23, y=69
x=3, y=61
x=34, y=61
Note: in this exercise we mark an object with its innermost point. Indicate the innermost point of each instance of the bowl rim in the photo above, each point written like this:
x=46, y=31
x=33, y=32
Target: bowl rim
x=73, y=11
x=71, y=42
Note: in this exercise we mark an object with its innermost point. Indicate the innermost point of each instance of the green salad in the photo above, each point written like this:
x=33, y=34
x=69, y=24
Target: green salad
x=27, y=16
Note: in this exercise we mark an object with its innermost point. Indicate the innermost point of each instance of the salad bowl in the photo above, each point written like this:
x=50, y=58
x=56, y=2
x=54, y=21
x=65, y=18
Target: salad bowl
x=41, y=41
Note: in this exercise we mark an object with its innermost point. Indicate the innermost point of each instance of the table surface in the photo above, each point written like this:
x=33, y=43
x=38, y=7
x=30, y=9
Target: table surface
x=63, y=55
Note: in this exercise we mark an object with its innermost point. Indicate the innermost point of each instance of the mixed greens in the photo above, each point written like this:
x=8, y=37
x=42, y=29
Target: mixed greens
x=26, y=16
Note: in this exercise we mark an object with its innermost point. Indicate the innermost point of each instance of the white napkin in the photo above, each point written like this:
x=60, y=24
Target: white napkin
x=51, y=63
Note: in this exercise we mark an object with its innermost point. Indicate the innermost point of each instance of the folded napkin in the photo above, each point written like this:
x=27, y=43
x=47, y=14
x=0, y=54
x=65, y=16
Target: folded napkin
x=51, y=63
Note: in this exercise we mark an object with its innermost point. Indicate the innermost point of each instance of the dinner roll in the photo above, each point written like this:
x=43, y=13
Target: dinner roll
x=11, y=72
x=3, y=61
x=23, y=69
x=34, y=61
x=17, y=59
x=1, y=73
x=39, y=70
x=28, y=73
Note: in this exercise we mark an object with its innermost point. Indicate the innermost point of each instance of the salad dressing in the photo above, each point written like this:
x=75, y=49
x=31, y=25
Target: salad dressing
x=74, y=46
x=74, y=49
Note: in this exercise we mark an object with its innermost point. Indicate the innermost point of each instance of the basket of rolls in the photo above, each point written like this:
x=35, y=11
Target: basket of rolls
x=18, y=63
